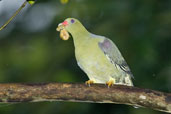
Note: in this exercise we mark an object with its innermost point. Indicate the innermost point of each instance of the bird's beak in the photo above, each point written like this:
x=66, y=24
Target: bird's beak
x=64, y=35
x=65, y=23
x=62, y=25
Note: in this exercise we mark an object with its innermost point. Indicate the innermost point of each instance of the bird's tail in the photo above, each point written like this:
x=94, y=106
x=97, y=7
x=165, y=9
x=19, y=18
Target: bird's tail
x=128, y=81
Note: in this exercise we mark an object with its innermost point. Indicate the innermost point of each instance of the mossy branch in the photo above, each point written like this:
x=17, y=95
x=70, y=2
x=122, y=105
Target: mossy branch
x=96, y=93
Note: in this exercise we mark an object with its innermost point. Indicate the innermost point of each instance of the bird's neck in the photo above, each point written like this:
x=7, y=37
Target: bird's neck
x=80, y=36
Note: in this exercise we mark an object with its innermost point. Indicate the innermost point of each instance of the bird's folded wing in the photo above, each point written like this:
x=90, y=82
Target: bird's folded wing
x=114, y=56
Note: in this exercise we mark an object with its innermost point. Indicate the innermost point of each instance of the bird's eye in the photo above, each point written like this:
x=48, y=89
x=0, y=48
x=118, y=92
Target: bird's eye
x=72, y=20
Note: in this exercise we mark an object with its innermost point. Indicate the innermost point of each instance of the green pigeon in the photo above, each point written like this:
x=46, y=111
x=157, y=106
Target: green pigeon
x=97, y=56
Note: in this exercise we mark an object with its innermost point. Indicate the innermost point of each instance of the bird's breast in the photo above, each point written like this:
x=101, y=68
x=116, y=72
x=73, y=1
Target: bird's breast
x=91, y=58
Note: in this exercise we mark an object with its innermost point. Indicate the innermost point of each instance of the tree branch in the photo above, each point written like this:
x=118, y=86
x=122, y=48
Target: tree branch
x=96, y=93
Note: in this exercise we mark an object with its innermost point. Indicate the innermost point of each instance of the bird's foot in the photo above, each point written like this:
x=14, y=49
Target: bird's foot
x=89, y=82
x=110, y=82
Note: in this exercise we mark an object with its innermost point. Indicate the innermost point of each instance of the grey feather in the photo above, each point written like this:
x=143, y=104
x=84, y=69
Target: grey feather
x=114, y=55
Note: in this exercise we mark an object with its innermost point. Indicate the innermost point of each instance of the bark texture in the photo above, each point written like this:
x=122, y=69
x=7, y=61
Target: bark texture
x=96, y=93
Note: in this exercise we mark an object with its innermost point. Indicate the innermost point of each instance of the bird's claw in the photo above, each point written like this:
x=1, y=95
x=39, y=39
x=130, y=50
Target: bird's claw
x=89, y=82
x=110, y=83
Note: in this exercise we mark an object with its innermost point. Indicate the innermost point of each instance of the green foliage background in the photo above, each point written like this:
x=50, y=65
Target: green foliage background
x=140, y=28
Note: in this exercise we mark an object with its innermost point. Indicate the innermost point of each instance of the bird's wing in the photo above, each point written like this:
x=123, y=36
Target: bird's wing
x=114, y=55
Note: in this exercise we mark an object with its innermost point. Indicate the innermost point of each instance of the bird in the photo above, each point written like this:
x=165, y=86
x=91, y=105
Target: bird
x=96, y=55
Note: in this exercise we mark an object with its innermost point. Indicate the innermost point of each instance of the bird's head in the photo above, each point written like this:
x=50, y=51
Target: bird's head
x=73, y=26
x=70, y=24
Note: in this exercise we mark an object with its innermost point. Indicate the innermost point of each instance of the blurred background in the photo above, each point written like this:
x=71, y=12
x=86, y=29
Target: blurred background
x=31, y=50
